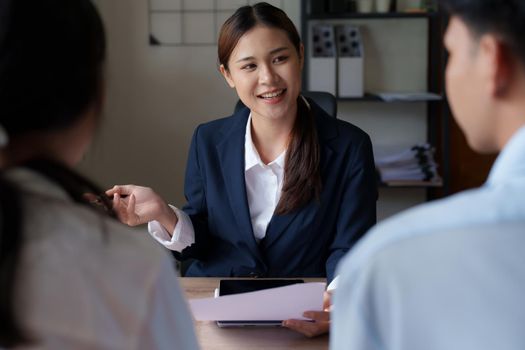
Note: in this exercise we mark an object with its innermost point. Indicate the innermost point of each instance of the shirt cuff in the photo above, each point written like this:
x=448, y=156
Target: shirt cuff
x=333, y=284
x=183, y=234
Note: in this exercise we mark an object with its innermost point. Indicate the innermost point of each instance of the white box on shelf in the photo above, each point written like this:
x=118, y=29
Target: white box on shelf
x=322, y=62
x=350, y=57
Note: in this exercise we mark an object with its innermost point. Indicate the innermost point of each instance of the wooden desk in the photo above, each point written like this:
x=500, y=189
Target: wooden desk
x=212, y=337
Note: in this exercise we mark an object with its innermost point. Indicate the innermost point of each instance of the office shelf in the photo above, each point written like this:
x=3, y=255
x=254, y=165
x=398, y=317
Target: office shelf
x=368, y=97
x=372, y=15
x=411, y=184
x=371, y=97
x=435, y=105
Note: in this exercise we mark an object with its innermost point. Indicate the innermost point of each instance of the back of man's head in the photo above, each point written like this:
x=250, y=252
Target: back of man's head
x=504, y=18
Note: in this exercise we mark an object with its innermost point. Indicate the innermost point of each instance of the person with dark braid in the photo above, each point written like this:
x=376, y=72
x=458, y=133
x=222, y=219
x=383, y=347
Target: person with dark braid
x=71, y=275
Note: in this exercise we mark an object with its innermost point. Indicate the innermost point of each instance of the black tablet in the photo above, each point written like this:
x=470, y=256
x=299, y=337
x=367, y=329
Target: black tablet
x=235, y=286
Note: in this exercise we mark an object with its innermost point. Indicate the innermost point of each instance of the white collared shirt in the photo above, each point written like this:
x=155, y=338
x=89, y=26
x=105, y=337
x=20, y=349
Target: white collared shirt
x=263, y=188
x=264, y=183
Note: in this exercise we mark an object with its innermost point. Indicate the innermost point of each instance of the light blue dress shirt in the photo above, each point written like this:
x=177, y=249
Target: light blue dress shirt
x=445, y=275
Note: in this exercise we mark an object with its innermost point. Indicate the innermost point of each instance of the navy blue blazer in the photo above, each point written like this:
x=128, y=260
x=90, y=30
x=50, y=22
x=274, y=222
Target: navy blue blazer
x=306, y=243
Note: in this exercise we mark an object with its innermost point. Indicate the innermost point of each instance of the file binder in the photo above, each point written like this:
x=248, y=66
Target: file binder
x=322, y=63
x=350, y=57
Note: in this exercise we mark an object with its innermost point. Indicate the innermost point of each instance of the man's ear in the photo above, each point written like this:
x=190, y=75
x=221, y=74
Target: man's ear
x=226, y=74
x=498, y=63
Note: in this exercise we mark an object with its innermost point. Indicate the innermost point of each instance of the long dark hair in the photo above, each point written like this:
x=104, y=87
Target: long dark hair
x=51, y=71
x=302, y=175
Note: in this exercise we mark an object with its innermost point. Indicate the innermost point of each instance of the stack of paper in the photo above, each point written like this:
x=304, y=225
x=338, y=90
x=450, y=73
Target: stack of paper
x=415, y=163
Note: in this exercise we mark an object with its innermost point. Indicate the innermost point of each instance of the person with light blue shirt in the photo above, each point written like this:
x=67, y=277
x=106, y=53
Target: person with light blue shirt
x=451, y=274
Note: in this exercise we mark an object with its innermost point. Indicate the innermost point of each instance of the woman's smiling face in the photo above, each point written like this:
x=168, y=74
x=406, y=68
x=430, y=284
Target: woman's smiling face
x=265, y=70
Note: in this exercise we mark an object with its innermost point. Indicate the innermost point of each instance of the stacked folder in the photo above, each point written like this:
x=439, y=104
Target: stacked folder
x=413, y=164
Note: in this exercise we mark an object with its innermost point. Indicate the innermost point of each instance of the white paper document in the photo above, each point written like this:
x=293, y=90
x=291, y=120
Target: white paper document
x=280, y=303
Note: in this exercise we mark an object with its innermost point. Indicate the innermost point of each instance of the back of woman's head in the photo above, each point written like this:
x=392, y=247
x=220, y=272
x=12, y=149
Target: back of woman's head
x=245, y=19
x=51, y=57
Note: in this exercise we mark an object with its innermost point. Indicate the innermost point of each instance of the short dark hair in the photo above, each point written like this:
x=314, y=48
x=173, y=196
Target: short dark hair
x=506, y=18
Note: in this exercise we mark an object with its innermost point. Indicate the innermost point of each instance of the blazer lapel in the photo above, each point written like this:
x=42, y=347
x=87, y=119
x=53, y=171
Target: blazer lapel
x=279, y=223
x=277, y=227
x=326, y=131
x=231, y=155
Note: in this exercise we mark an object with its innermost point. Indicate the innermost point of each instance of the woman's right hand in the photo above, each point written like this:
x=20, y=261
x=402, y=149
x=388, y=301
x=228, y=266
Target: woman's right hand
x=136, y=205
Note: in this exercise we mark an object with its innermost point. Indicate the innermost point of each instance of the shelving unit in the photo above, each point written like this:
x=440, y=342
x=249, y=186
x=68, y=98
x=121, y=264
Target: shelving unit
x=372, y=15
x=432, y=111
x=371, y=97
x=410, y=184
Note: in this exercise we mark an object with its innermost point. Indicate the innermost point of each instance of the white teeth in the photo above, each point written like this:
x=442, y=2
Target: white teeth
x=272, y=94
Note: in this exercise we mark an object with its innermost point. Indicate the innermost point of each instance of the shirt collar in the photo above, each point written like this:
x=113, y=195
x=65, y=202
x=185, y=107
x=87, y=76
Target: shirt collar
x=306, y=102
x=511, y=161
x=33, y=182
x=251, y=156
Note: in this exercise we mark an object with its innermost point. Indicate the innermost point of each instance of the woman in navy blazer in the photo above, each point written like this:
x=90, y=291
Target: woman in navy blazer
x=308, y=241
x=328, y=196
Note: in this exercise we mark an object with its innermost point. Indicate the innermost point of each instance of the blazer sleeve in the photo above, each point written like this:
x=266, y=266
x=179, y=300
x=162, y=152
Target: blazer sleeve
x=357, y=212
x=196, y=207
